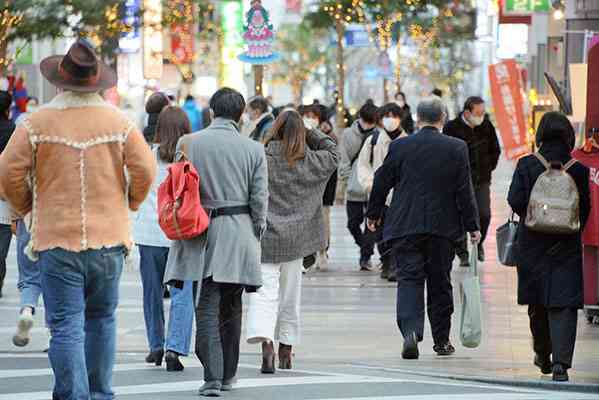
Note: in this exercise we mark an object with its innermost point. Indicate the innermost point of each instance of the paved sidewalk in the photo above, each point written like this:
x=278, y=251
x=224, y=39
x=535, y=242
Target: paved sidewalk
x=349, y=320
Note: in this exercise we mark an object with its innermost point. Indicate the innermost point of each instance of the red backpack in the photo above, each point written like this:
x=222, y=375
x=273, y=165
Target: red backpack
x=180, y=212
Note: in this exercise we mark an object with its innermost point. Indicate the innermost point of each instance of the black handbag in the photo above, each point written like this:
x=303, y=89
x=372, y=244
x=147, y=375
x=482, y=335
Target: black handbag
x=507, y=246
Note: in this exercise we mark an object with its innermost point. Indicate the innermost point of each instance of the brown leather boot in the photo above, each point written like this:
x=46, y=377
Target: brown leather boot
x=268, y=358
x=285, y=354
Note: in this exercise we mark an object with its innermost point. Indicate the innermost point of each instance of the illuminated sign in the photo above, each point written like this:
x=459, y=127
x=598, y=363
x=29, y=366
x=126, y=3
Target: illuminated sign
x=232, y=26
x=152, y=39
x=130, y=42
x=526, y=7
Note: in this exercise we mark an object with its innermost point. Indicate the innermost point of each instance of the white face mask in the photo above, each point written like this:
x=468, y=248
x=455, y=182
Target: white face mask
x=310, y=123
x=391, y=124
x=476, y=121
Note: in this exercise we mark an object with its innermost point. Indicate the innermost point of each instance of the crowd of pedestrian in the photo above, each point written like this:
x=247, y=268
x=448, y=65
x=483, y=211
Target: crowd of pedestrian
x=268, y=179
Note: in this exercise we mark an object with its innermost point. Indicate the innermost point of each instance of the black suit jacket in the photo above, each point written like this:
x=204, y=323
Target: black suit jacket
x=433, y=192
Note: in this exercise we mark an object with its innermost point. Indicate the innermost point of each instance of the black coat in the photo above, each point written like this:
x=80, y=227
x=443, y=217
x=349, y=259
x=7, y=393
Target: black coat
x=407, y=122
x=483, y=147
x=330, y=192
x=549, y=266
x=432, y=192
x=7, y=127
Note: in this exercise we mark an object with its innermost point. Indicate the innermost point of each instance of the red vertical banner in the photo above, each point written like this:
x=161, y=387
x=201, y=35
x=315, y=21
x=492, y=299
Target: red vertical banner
x=506, y=91
x=592, y=120
x=182, y=35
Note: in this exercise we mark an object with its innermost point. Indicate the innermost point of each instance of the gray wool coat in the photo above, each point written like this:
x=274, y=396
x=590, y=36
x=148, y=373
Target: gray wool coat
x=295, y=224
x=232, y=172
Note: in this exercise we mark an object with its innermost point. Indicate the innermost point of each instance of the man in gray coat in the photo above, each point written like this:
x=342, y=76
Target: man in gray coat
x=225, y=260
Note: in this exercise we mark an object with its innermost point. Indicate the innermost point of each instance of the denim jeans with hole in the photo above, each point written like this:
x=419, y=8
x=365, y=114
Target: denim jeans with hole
x=81, y=294
x=178, y=338
x=29, y=283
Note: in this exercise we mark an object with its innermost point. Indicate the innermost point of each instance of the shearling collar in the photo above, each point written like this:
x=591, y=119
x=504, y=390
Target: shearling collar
x=66, y=100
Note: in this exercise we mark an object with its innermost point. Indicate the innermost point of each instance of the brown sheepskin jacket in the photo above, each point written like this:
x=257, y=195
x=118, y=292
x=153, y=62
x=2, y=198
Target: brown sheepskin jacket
x=79, y=165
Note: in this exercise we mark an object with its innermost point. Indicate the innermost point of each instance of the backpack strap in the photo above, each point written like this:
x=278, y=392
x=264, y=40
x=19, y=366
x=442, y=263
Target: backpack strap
x=569, y=165
x=373, y=142
x=543, y=160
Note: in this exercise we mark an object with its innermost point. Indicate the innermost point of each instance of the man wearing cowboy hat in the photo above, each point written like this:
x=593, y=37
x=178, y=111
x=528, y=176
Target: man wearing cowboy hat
x=66, y=165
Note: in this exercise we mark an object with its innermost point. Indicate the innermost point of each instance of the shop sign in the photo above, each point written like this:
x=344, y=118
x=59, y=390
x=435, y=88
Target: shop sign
x=130, y=42
x=506, y=92
x=526, y=7
x=182, y=36
x=152, y=39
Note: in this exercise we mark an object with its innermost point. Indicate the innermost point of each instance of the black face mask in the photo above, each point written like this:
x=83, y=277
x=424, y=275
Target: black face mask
x=364, y=131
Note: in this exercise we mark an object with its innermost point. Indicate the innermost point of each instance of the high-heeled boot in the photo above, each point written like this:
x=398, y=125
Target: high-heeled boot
x=285, y=355
x=268, y=358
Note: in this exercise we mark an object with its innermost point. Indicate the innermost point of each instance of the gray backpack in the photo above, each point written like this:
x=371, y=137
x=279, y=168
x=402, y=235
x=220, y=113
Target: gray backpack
x=554, y=205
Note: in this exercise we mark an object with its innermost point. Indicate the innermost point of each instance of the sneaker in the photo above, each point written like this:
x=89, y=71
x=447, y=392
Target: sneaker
x=410, y=347
x=211, y=389
x=24, y=325
x=481, y=253
x=323, y=261
x=446, y=349
x=227, y=385
x=366, y=265
x=560, y=373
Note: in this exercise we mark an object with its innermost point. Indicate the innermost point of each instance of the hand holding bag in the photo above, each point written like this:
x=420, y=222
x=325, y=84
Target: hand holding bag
x=471, y=321
x=507, y=245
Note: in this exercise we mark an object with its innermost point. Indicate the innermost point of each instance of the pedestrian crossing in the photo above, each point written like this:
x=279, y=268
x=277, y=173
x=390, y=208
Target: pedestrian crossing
x=137, y=380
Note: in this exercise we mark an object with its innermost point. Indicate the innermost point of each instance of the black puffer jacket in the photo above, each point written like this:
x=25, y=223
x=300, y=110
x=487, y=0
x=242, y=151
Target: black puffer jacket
x=483, y=147
x=7, y=127
x=150, y=130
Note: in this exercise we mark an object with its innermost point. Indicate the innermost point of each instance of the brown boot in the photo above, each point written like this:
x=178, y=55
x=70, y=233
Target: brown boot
x=268, y=358
x=285, y=354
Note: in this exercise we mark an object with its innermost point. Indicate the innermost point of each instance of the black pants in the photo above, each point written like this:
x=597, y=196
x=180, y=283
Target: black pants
x=218, y=329
x=483, y=200
x=356, y=218
x=554, y=332
x=420, y=259
x=5, y=238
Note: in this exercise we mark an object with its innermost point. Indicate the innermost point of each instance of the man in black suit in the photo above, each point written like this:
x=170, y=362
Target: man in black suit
x=433, y=205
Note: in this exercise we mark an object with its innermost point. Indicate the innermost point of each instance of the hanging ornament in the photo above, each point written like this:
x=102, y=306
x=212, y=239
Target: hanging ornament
x=258, y=36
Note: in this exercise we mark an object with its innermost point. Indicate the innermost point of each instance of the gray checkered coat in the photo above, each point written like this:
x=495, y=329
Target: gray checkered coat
x=295, y=225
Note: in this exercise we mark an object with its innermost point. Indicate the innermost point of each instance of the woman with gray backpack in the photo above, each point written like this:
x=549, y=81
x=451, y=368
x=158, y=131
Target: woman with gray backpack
x=550, y=194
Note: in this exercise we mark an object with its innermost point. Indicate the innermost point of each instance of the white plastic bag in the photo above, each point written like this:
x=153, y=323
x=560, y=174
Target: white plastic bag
x=471, y=319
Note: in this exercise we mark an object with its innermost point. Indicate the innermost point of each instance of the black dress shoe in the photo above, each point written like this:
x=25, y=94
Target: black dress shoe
x=446, y=349
x=560, y=373
x=173, y=364
x=544, y=363
x=392, y=277
x=410, y=347
x=481, y=253
x=155, y=357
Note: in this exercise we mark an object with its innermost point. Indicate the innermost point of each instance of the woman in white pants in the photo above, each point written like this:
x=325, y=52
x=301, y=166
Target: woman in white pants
x=300, y=162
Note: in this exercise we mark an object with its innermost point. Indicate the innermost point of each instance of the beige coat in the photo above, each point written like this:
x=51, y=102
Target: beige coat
x=67, y=165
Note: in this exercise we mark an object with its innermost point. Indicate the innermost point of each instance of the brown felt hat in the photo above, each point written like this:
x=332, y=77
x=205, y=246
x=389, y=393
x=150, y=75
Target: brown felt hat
x=79, y=70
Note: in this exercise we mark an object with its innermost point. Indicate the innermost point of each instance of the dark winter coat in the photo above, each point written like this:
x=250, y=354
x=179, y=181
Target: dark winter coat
x=432, y=192
x=407, y=122
x=262, y=128
x=150, y=130
x=483, y=147
x=549, y=266
x=7, y=127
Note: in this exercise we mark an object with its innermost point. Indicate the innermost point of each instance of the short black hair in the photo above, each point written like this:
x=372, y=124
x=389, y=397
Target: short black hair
x=369, y=112
x=227, y=103
x=472, y=101
x=5, y=101
x=402, y=94
x=437, y=92
x=391, y=108
x=189, y=98
x=556, y=127
x=259, y=103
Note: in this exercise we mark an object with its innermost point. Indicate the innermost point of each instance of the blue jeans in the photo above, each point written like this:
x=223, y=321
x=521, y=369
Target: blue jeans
x=178, y=339
x=81, y=294
x=29, y=283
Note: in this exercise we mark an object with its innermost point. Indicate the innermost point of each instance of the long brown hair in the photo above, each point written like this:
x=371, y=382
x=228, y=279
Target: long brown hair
x=172, y=124
x=289, y=129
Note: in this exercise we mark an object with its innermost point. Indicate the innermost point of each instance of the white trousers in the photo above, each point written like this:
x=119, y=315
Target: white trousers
x=274, y=310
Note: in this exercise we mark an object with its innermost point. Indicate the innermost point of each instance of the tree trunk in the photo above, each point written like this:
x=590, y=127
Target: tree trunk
x=258, y=79
x=296, y=87
x=340, y=28
x=385, y=90
x=398, y=66
x=3, y=55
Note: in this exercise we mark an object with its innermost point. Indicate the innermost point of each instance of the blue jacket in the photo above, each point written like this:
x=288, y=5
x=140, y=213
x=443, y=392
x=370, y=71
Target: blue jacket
x=194, y=114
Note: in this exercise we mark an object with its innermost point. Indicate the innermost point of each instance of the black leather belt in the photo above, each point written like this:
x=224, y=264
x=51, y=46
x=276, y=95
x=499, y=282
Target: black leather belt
x=235, y=210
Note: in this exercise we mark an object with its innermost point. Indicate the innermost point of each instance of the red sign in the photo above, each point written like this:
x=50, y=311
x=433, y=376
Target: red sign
x=506, y=91
x=182, y=36
x=294, y=6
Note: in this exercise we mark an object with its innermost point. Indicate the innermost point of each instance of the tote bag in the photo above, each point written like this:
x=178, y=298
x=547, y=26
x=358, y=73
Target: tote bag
x=507, y=236
x=470, y=322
